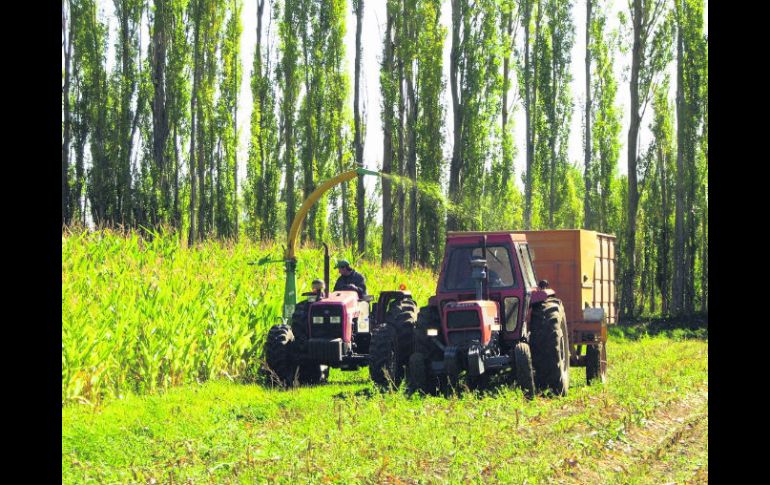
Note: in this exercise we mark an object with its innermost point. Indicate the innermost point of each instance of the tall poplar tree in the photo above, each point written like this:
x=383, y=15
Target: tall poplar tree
x=289, y=74
x=358, y=9
x=429, y=128
x=690, y=101
x=476, y=85
x=650, y=53
x=263, y=171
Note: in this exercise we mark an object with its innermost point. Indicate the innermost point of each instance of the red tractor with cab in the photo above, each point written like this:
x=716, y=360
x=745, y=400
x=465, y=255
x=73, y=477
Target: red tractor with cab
x=490, y=317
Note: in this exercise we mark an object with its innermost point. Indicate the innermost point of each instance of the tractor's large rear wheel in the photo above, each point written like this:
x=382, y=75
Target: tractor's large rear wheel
x=281, y=367
x=383, y=357
x=308, y=373
x=299, y=324
x=392, y=343
x=550, y=347
x=525, y=379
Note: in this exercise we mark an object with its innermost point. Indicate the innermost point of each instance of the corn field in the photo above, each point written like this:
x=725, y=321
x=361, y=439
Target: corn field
x=143, y=314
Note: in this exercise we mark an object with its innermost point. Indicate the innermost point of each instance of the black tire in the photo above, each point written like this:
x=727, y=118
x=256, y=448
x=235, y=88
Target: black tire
x=383, y=354
x=402, y=315
x=595, y=368
x=311, y=374
x=417, y=374
x=550, y=347
x=522, y=358
x=299, y=326
x=280, y=365
x=478, y=383
x=426, y=318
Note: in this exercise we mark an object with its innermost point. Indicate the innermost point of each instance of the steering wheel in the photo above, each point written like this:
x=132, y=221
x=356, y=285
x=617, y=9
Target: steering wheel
x=353, y=288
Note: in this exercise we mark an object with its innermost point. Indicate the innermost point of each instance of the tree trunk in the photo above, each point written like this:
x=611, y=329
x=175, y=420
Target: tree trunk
x=160, y=128
x=412, y=165
x=453, y=222
x=192, y=235
x=507, y=155
x=663, y=247
x=387, y=148
x=627, y=297
x=677, y=297
x=552, y=135
x=288, y=125
x=401, y=162
x=360, y=202
x=587, y=212
x=235, y=136
x=65, y=147
x=307, y=152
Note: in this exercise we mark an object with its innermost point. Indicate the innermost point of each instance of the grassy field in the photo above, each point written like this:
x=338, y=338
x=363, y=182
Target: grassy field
x=648, y=424
x=156, y=340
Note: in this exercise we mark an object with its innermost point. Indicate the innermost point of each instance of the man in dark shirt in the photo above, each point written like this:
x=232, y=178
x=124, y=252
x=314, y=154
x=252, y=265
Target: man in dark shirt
x=349, y=276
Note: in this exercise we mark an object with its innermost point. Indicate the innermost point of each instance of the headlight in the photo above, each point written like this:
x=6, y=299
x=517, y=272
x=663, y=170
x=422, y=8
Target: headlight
x=432, y=332
x=335, y=319
x=318, y=319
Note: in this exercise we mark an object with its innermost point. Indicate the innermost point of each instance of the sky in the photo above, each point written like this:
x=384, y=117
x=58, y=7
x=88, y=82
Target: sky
x=371, y=41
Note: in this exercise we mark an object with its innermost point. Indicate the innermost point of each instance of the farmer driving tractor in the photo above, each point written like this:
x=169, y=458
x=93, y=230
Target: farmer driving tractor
x=349, y=277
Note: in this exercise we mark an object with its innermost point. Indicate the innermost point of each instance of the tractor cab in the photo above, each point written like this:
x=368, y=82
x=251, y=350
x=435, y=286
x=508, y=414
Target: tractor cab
x=484, y=280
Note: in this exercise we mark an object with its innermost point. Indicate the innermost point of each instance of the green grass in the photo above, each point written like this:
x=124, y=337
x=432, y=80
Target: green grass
x=225, y=432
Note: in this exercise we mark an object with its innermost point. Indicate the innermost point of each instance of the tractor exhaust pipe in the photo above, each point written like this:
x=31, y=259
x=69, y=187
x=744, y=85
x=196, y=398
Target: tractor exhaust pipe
x=326, y=270
x=479, y=274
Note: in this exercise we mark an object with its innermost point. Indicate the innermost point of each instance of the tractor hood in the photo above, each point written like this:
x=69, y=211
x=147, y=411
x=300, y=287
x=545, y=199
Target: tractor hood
x=343, y=307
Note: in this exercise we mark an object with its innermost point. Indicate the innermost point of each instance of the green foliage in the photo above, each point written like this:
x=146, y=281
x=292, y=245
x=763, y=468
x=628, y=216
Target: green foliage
x=139, y=315
x=606, y=129
x=480, y=54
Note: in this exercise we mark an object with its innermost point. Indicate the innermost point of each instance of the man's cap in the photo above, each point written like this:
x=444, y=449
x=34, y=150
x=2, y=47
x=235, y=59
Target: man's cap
x=342, y=263
x=318, y=281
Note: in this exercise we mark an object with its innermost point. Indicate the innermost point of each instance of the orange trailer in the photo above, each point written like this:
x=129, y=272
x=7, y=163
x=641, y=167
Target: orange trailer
x=580, y=266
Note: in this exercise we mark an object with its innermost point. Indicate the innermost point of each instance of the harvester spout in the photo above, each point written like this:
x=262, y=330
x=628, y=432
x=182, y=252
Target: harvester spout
x=364, y=171
x=290, y=293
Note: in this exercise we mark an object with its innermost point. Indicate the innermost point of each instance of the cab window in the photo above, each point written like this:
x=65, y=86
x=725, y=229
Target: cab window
x=458, y=269
x=526, y=265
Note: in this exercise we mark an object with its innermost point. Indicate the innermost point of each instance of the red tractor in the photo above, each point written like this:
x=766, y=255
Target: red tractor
x=337, y=329
x=490, y=317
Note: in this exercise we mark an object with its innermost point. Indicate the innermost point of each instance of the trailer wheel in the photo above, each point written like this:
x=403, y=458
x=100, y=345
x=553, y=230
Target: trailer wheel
x=596, y=363
x=280, y=365
x=524, y=376
x=383, y=357
x=550, y=347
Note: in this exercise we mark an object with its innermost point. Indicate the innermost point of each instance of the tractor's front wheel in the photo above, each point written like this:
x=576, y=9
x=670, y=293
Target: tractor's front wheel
x=313, y=374
x=281, y=368
x=550, y=347
x=525, y=379
x=417, y=376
